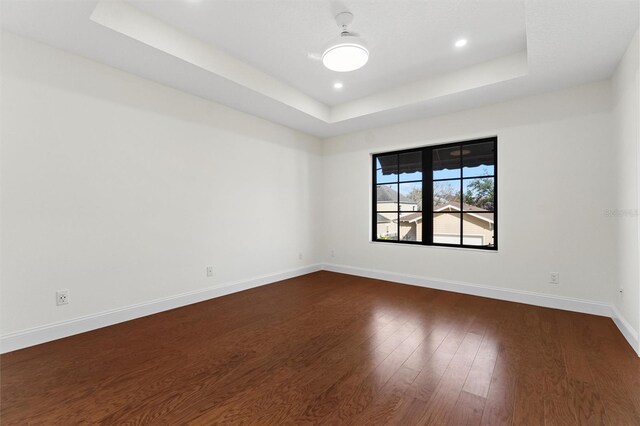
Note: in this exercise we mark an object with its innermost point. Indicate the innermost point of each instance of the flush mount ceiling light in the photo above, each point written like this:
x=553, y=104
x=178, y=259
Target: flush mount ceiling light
x=347, y=52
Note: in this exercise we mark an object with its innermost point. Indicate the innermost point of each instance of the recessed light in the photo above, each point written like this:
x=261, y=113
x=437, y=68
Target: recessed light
x=338, y=85
x=461, y=43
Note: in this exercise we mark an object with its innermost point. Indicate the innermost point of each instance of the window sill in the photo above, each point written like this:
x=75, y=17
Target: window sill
x=475, y=250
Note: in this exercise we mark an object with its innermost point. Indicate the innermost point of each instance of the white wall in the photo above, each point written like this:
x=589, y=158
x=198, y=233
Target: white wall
x=556, y=174
x=626, y=114
x=123, y=191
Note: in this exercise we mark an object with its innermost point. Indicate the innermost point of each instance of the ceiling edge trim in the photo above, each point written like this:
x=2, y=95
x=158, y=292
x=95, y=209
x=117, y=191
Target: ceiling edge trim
x=484, y=74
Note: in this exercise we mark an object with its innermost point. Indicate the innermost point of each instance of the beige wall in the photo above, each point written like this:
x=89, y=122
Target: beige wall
x=446, y=224
x=411, y=231
x=475, y=226
x=449, y=224
x=405, y=207
x=384, y=228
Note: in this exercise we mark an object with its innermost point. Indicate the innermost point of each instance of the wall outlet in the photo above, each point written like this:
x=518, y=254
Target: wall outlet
x=209, y=271
x=300, y=256
x=62, y=297
x=333, y=253
x=554, y=277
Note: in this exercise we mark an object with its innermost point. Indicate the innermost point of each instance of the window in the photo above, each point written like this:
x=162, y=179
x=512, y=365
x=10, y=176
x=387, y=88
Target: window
x=441, y=195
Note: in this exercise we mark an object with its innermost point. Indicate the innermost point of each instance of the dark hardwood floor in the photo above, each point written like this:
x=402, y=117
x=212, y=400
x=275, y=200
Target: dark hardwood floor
x=332, y=349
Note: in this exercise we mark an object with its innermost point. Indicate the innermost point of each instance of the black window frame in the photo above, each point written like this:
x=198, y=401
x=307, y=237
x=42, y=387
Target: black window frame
x=427, y=194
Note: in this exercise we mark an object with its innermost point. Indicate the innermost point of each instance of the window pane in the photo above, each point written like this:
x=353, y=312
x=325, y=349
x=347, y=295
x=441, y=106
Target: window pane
x=387, y=169
x=446, y=228
x=411, y=196
x=446, y=193
x=387, y=226
x=479, y=194
x=411, y=166
x=478, y=159
x=446, y=163
x=477, y=229
x=387, y=197
x=411, y=226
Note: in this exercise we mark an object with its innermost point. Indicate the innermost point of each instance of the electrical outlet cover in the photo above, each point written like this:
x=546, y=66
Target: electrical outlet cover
x=62, y=297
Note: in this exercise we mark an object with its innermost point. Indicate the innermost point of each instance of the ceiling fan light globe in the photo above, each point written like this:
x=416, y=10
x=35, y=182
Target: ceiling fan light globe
x=347, y=53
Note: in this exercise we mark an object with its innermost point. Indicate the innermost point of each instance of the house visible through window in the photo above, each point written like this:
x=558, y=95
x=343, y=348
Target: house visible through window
x=442, y=195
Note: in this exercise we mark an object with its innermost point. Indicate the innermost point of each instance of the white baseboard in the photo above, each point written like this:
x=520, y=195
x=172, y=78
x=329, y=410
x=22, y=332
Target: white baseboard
x=38, y=335
x=626, y=329
x=519, y=296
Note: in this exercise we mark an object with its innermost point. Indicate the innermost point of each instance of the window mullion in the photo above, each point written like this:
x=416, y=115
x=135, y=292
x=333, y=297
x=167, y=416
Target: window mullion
x=427, y=196
x=398, y=198
x=461, y=198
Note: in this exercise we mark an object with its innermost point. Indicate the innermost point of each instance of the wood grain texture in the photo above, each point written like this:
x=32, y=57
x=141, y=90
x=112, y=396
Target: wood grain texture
x=334, y=349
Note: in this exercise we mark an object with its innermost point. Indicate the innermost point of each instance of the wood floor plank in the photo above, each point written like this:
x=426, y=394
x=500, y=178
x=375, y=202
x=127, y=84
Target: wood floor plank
x=360, y=396
x=500, y=399
x=499, y=404
x=443, y=400
x=558, y=398
x=335, y=349
x=587, y=405
x=467, y=411
x=459, y=320
x=529, y=399
x=528, y=363
x=479, y=377
x=383, y=407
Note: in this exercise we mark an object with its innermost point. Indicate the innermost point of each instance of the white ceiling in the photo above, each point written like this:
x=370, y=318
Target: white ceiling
x=408, y=40
x=261, y=56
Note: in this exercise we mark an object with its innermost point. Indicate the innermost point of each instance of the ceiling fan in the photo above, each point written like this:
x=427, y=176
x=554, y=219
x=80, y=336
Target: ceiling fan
x=348, y=51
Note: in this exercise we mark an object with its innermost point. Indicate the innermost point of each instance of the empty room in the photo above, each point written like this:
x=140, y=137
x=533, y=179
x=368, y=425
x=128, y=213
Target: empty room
x=287, y=212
